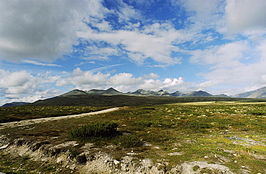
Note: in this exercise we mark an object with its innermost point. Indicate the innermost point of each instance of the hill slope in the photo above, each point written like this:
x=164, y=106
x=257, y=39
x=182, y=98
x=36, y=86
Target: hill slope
x=258, y=93
x=15, y=104
x=199, y=94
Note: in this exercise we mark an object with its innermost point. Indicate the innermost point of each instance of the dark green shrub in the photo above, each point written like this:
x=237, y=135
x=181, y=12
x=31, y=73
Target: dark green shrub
x=105, y=129
x=128, y=141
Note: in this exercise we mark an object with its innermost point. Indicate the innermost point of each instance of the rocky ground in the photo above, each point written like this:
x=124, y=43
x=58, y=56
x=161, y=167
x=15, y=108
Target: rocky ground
x=100, y=162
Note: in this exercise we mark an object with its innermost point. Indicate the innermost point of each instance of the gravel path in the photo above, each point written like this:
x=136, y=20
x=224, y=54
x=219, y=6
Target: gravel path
x=40, y=120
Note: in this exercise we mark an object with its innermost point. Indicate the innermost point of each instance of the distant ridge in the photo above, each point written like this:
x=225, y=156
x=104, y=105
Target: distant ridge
x=109, y=91
x=174, y=94
x=15, y=104
x=141, y=92
x=75, y=92
x=177, y=94
x=150, y=93
x=199, y=94
x=258, y=93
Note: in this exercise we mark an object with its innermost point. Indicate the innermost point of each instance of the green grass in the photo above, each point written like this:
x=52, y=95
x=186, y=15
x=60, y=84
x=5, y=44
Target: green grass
x=217, y=132
x=98, y=129
x=128, y=141
x=17, y=113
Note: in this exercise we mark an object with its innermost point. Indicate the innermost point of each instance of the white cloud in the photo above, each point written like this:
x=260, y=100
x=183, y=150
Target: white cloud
x=122, y=81
x=226, y=16
x=204, y=13
x=30, y=97
x=88, y=79
x=243, y=15
x=234, y=65
x=16, y=82
x=40, y=63
x=43, y=29
x=154, y=42
x=168, y=83
x=100, y=53
x=226, y=55
x=126, y=12
x=203, y=8
x=23, y=86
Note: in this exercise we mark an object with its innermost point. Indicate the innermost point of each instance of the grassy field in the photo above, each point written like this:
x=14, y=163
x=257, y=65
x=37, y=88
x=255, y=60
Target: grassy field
x=229, y=133
x=17, y=113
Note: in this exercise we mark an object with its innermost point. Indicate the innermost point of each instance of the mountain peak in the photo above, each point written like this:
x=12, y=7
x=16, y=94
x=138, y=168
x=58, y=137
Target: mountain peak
x=74, y=92
x=200, y=93
x=112, y=91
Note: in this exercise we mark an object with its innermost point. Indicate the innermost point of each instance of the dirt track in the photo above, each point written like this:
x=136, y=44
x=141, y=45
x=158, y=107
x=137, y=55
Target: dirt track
x=40, y=120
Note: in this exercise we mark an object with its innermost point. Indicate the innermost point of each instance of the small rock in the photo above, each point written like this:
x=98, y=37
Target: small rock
x=147, y=144
x=116, y=162
x=131, y=153
x=175, y=153
x=156, y=147
x=4, y=147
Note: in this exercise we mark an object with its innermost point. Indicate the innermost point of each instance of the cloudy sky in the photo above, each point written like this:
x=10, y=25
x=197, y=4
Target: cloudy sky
x=48, y=47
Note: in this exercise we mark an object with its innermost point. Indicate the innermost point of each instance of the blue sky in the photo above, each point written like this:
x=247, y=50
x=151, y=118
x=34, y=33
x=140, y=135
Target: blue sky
x=48, y=47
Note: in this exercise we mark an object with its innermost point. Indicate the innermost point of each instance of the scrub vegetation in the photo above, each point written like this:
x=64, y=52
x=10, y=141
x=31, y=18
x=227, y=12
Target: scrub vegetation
x=228, y=133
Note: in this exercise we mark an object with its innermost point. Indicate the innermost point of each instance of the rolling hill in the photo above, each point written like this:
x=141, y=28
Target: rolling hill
x=258, y=93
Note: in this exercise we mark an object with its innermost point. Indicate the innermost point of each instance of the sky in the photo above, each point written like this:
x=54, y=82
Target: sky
x=49, y=47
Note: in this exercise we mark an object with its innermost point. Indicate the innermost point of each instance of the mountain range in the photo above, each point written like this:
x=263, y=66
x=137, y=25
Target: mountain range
x=166, y=93
x=140, y=92
x=110, y=91
x=109, y=94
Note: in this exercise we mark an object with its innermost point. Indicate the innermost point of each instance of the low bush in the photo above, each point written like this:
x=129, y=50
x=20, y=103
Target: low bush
x=100, y=129
x=129, y=141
